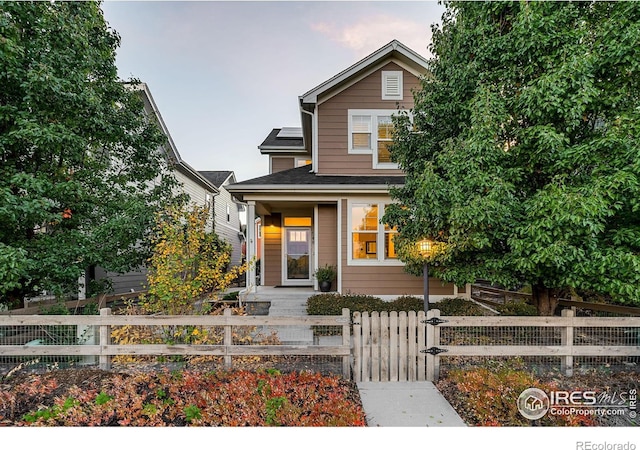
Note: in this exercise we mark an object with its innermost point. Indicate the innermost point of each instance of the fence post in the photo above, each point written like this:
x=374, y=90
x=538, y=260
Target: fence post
x=567, y=342
x=105, y=340
x=357, y=346
x=346, y=342
x=228, y=340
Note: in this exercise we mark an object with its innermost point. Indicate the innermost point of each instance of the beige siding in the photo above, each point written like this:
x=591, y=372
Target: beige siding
x=280, y=164
x=272, y=261
x=327, y=236
x=333, y=157
x=382, y=280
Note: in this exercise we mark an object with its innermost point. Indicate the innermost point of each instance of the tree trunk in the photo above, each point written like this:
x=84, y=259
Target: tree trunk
x=545, y=299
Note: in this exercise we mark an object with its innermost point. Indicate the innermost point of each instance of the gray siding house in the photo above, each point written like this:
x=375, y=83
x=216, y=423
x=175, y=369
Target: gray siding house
x=227, y=211
x=201, y=191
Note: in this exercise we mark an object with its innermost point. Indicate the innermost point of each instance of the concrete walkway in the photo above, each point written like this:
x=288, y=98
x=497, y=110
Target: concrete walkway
x=386, y=404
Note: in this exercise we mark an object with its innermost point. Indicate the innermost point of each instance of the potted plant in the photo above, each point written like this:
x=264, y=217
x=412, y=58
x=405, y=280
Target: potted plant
x=325, y=276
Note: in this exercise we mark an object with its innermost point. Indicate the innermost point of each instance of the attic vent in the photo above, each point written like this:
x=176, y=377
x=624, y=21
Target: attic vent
x=290, y=132
x=392, y=85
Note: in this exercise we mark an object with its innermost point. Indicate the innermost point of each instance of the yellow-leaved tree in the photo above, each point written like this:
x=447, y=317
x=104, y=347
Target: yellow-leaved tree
x=188, y=264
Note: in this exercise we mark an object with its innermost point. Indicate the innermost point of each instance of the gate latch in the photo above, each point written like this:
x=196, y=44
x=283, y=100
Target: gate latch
x=434, y=351
x=434, y=321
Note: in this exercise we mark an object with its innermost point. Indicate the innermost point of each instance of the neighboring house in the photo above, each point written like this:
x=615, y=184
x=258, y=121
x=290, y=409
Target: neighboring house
x=227, y=213
x=327, y=188
x=200, y=190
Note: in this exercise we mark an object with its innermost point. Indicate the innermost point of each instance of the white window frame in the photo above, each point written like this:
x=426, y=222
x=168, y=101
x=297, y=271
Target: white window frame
x=380, y=259
x=373, y=114
x=386, y=75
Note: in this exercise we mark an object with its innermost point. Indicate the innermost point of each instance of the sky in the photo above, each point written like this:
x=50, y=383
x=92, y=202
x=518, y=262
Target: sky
x=225, y=73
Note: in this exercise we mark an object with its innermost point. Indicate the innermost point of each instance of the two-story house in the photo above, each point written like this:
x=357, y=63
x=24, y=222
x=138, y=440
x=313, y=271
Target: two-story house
x=327, y=189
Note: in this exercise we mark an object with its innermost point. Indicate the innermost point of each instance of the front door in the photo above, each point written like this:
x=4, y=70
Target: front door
x=297, y=256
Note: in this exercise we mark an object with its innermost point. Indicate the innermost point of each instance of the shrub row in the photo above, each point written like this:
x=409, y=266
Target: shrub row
x=332, y=305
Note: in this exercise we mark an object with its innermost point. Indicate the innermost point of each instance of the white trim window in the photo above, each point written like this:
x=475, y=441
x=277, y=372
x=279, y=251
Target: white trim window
x=371, y=133
x=392, y=88
x=370, y=242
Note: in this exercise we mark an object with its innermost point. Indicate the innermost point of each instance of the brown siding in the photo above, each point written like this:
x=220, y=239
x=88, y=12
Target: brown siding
x=272, y=261
x=333, y=157
x=382, y=280
x=327, y=236
x=280, y=164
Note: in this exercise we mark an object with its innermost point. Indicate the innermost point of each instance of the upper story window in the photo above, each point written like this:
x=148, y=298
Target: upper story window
x=228, y=213
x=392, y=85
x=371, y=132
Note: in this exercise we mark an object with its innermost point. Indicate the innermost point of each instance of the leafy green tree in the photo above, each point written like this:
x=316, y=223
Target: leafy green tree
x=523, y=158
x=82, y=170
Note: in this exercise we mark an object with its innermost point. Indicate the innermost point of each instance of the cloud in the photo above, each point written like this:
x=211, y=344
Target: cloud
x=371, y=33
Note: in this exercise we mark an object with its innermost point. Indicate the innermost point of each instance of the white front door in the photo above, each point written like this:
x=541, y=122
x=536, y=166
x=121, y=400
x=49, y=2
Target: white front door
x=296, y=261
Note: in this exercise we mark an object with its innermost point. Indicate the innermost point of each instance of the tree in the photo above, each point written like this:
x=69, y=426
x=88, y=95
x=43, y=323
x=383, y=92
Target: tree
x=522, y=159
x=187, y=262
x=82, y=169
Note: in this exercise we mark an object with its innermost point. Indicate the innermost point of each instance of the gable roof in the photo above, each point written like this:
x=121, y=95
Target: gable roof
x=171, y=149
x=403, y=54
x=218, y=177
x=394, y=51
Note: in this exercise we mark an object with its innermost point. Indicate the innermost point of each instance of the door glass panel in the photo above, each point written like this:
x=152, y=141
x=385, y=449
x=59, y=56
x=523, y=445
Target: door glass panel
x=298, y=254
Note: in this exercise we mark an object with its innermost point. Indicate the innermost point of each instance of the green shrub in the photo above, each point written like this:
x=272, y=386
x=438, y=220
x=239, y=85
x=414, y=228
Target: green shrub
x=406, y=303
x=332, y=304
x=460, y=306
x=517, y=308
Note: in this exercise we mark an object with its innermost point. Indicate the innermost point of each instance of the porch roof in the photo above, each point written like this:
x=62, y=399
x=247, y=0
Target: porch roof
x=302, y=178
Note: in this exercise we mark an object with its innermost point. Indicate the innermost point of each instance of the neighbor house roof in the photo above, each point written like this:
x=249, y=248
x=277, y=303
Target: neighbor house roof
x=301, y=179
x=217, y=177
x=172, y=150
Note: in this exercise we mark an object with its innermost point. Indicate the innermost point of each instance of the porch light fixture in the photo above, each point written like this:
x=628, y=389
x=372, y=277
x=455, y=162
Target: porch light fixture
x=425, y=248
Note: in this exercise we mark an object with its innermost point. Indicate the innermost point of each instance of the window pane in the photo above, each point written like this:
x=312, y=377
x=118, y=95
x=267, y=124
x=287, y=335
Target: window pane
x=384, y=155
x=362, y=140
x=364, y=217
x=389, y=246
x=365, y=245
x=385, y=127
x=361, y=124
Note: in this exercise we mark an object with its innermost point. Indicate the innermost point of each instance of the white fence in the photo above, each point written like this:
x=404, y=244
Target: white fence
x=409, y=346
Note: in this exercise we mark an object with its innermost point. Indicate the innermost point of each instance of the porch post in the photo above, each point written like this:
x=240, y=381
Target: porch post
x=251, y=246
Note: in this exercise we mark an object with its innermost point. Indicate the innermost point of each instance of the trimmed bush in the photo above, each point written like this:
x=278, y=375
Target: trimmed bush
x=459, y=306
x=332, y=304
x=517, y=308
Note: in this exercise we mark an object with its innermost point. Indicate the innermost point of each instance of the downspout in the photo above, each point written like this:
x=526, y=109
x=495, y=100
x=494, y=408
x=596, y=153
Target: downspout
x=314, y=156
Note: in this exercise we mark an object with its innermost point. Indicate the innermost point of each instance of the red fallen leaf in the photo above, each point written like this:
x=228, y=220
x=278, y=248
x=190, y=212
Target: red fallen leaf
x=67, y=213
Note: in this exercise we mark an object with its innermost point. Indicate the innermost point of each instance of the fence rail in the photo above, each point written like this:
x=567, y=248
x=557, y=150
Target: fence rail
x=496, y=297
x=105, y=349
x=102, y=301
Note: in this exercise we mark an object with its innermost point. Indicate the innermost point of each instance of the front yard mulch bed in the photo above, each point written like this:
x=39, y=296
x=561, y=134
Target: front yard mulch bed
x=92, y=397
x=487, y=396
